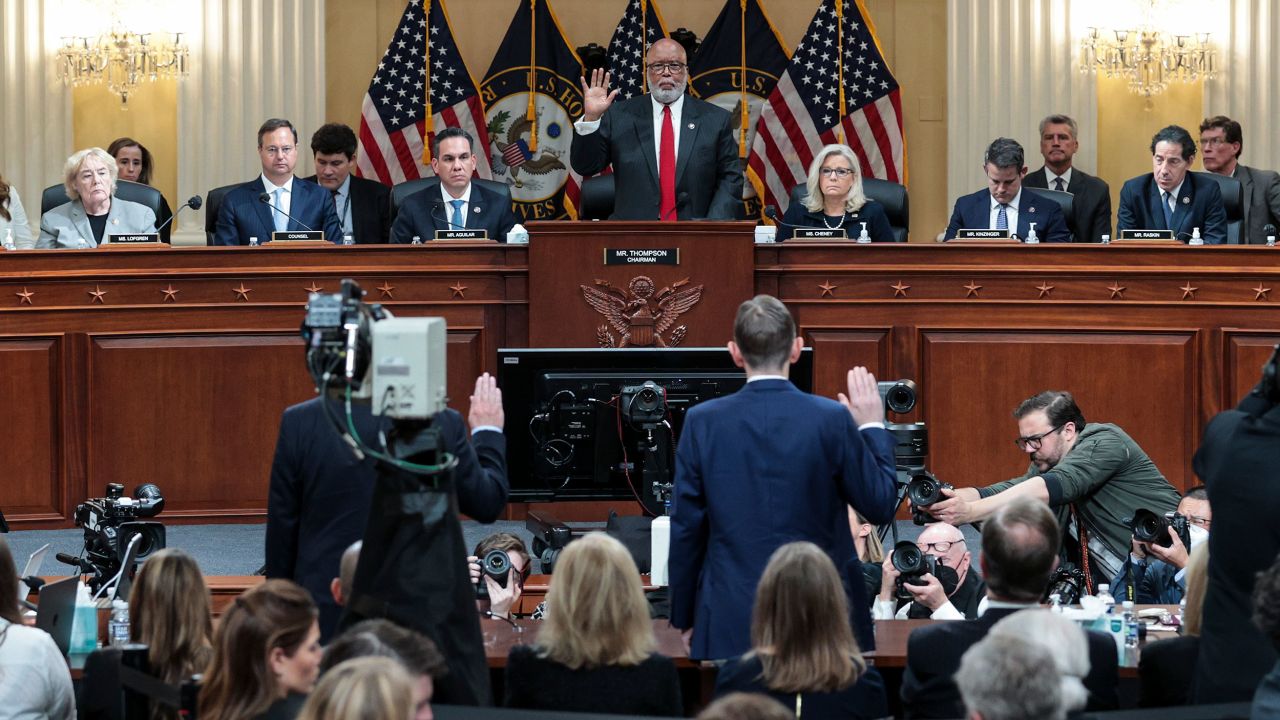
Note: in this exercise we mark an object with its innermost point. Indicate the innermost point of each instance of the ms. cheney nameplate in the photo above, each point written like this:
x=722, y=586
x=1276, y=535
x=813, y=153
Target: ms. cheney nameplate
x=820, y=234
x=644, y=256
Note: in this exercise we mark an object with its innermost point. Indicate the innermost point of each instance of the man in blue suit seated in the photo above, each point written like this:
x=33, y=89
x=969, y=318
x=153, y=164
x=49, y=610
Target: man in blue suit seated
x=298, y=204
x=1170, y=198
x=1163, y=581
x=456, y=203
x=763, y=467
x=1004, y=205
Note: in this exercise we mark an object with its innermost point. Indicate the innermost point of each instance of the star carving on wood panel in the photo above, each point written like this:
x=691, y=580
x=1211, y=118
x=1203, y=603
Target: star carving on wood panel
x=972, y=289
x=97, y=293
x=242, y=292
x=26, y=296
x=170, y=293
x=826, y=287
x=385, y=288
x=900, y=289
x=1044, y=288
x=1117, y=290
x=459, y=290
x=1261, y=292
x=1188, y=291
x=313, y=287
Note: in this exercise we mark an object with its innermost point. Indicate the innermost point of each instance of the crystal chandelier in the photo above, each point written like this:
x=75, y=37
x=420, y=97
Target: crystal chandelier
x=1147, y=57
x=122, y=60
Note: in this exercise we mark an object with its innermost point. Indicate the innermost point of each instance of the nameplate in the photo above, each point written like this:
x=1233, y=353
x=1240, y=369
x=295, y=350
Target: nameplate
x=973, y=234
x=134, y=239
x=480, y=234
x=1146, y=234
x=646, y=256
x=294, y=235
x=820, y=234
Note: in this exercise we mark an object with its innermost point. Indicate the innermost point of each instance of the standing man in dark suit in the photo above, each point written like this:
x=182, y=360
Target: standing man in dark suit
x=1019, y=552
x=298, y=204
x=1003, y=205
x=1171, y=197
x=456, y=203
x=673, y=156
x=1091, y=197
x=1222, y=140
x=766, y=466
x=363, y=206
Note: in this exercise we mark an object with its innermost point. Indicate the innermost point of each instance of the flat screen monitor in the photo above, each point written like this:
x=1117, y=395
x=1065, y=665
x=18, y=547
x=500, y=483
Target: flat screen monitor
x=580, y=424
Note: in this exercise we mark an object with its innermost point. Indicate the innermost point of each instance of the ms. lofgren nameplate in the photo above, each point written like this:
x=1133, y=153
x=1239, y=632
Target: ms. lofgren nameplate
x=645, y=256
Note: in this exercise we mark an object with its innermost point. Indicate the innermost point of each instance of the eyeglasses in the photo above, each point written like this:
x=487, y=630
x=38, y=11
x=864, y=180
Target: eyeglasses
x=282, y=150
x=1199, y=521
x=672, y=68
x=939, y=547
x=841, y=173
x=1210, y=142
x=1035, y=441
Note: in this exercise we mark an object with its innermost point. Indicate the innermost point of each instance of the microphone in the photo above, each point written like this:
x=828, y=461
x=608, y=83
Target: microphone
x=265, y=199
x=194, y=203
x=33, y=583
x=681, y=198
x=771, y=212
x=437, y=212
x=83, y=565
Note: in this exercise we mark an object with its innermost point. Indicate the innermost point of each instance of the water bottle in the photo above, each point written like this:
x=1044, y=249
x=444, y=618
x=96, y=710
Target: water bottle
x=253, y=241
x=8, y=240
x=84, y=626
x=659, y=550
x=1195, y=237
x=863, y=237
x=1108, y=602
x=1130, y=625
x=1106, y=239
x=1055, y=603
x=347, y=239
x=417, y=240
x=118, y=628
x=1032, y=238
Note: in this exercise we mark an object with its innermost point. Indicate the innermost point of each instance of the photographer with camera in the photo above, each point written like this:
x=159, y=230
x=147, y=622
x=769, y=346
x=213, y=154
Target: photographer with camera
x=938, y=583
x=1155, y=573
x=499, y=568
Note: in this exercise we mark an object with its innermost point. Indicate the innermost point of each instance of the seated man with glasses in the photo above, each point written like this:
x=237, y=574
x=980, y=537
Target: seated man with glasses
x=1162, y=580
x=674, y=157
x=1093, y=475
x=954, y=592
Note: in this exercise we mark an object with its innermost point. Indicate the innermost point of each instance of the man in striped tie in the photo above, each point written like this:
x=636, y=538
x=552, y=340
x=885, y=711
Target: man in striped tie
x=1004, y=205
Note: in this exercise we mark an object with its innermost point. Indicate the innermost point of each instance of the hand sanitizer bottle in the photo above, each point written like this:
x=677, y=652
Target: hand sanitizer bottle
x=863, y=237
x=8, y=240
x=1195, y=237
x=1032, y=238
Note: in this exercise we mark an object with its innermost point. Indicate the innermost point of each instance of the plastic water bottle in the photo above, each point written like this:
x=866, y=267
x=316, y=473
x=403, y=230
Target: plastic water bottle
x=253, y=241
x=84, y=626
x=348, y=239
x=118, y=628
x=659, y=550
x=8, y=240
x=1195, y=237
x=1271, y=240
x=863, y=237
x=1106, y=239
x=417, y=240
x=1055, y=603
x=1130, y=625
x=1032, y=238
x=1108, y=602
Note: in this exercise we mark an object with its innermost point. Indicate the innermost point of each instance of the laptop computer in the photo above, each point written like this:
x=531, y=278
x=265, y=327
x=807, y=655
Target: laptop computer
x=124, y=580
x=57, y=609
x=32, y=569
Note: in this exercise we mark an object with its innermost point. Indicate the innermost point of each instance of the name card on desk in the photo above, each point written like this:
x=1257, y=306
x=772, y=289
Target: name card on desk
x=134, y=239
x=984, y=234
x=479, y=234
x=645, y=256
x=1146, y=234
x=820, y=234
x=295, y=235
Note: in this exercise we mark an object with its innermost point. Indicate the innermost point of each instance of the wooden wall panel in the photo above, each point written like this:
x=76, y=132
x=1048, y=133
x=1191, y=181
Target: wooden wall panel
x=1245, y=355
x=30, y=387
x=837, y=350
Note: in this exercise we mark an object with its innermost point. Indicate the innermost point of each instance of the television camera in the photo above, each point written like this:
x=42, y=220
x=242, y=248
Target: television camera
x=110, y=523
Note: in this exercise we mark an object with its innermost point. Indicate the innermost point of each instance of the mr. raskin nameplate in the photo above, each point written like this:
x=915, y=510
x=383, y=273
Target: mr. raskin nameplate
x=477, y=234
x=289, y=235
x=642, y=256
x=133, y=238
x=974, y=234
x=1146, y=234
x=820, y=234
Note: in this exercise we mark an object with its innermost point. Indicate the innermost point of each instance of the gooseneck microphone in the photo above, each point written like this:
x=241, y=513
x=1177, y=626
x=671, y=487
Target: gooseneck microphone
x=265, y=199
x=194, y=203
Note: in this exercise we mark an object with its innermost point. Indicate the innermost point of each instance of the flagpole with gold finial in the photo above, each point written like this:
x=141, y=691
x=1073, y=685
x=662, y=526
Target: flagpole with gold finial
x=840, y=68
x=532, y=113
x=744, y=116
x=426, y=64
x=644, y=35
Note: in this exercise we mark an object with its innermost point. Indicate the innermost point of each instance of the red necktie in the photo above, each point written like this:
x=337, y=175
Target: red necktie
x=667, y=169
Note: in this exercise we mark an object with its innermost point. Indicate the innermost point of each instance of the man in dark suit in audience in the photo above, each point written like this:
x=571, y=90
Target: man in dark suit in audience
x=765, y=466
x=456, y=203
x=1004, y=206
x=1171, y=197
x=363, y=206
x=290, y=203
x=1221, y=141
x=1019, y=553
x=1091, y=201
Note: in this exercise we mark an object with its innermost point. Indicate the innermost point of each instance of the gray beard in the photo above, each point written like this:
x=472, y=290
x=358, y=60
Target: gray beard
x=666, y=97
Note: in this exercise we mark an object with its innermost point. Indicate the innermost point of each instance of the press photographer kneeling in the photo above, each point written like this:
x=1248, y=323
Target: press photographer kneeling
x=1156, y=569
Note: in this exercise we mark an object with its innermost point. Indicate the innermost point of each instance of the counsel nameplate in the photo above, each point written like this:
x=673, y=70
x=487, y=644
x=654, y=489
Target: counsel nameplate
x=292, y=235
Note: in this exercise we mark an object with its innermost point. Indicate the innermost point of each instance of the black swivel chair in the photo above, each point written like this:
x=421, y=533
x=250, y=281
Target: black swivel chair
x=1233, y=203
x=1065, y=201
x=595, y=201
x=399, y=193
x=212, y=202
x=893, y=196
x=144, y=195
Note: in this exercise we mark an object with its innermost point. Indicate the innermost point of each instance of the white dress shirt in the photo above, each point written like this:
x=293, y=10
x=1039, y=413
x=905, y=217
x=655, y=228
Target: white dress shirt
x=286, y=198
x=1050, y=177
x=342, y=206
x=1010, y=211
x=448, y=206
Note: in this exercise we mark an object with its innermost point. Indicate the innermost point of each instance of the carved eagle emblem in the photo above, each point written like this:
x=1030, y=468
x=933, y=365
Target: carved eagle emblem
x=640, y=316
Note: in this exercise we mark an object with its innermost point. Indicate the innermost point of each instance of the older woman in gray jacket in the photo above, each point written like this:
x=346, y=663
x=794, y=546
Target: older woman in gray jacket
x=94, y=212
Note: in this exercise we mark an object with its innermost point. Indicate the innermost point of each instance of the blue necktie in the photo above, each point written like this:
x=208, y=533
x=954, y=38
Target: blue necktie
x=458, y=220
x=1168, y=211
x=282, y=222
x=1002, y=219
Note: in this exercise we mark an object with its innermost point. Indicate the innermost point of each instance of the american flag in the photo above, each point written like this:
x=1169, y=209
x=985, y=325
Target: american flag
x=627, y=47
x=394, y=138
x=803, y=112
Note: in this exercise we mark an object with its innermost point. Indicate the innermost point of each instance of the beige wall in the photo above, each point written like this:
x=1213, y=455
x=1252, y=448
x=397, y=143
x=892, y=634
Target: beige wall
x=151, y=119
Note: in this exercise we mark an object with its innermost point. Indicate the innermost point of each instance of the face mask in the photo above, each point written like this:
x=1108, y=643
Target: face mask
x=1197, y=535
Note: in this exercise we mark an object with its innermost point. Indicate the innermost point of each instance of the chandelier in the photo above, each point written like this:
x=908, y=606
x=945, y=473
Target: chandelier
x=1147, y=57
x=122, y=60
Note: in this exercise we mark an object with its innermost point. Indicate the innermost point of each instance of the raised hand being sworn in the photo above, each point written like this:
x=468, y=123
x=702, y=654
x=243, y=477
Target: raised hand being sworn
x=596, y=96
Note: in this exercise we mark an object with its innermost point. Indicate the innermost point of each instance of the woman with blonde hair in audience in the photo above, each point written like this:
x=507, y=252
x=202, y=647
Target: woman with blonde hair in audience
x=34, y=679
x=94, y=212
x=595, y=650
x=1166, y=667
x=803, y=653
x=266, y=655
x=13, y=217
x=363, y=688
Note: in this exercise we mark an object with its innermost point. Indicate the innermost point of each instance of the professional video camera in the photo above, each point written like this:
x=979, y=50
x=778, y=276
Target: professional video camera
x=1148, y=527
x=643, y=406
x=912, y=563
x=110, y=522
x=550, y=536
x=899, y=396
x=497, y=565
x=1067, y=582
x=925, y=489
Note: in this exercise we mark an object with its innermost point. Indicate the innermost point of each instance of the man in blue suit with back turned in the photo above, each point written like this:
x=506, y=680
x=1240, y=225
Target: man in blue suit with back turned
x=298, y=204
x=1004, y=205
x=763, y=467
x=1170, y=198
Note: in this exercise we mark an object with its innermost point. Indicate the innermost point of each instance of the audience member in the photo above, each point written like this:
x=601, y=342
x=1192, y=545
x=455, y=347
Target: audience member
x=367, y=688
x=93, y=212
x=1009, y=678
x=745, y=706
x=835, y=200
x=363, y=206
x=1172, y=198
x=340, y=587
x=1094, y=475
x=803, y=653
x=292, y=204
x=1003, y=205
x=866, y=543
x=382, y=638
x=1019, y=552
x=500, y=599
x=456, y=203
x=595, y=651
x=134, y=163
x=1065, y=642
x=1163, y=580
x=1091, y=197
x=13, y=218
x=34, y=679
x=1167, y=667
x=952, y=593
x=1222, y=141
x=1266, y=614
x=266, y=655
x=837, y=454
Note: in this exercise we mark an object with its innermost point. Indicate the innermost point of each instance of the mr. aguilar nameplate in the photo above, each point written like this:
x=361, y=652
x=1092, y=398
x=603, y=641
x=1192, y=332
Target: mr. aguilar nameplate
x=134, y=239
x=1146, y=234
x=820, y=234
x=478, y=234
x=645, y=256
x=292, y=235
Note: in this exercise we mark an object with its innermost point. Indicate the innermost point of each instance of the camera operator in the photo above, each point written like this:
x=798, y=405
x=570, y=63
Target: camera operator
x=1093, y=475
x=500, y=599
x=1162, y=580
x=950, y=593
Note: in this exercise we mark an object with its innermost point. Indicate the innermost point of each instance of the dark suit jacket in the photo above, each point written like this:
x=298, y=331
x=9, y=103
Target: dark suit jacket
x=1090, y=206
x=708, y=173
x=1199, y=206
x=424, y=212
x=878, y=228
x=243, y=216
x=1261, y=202
x=973, y=212
x=933, y=657
x=755, y=470
x=1165, y=671
x=370, y=210
x=319, y=496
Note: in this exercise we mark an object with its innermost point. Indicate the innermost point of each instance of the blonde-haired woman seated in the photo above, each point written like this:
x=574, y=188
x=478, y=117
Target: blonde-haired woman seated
x=94, y=212
x=835, y=199
x=803, y=653
x=594, y=652
x=363, y=688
